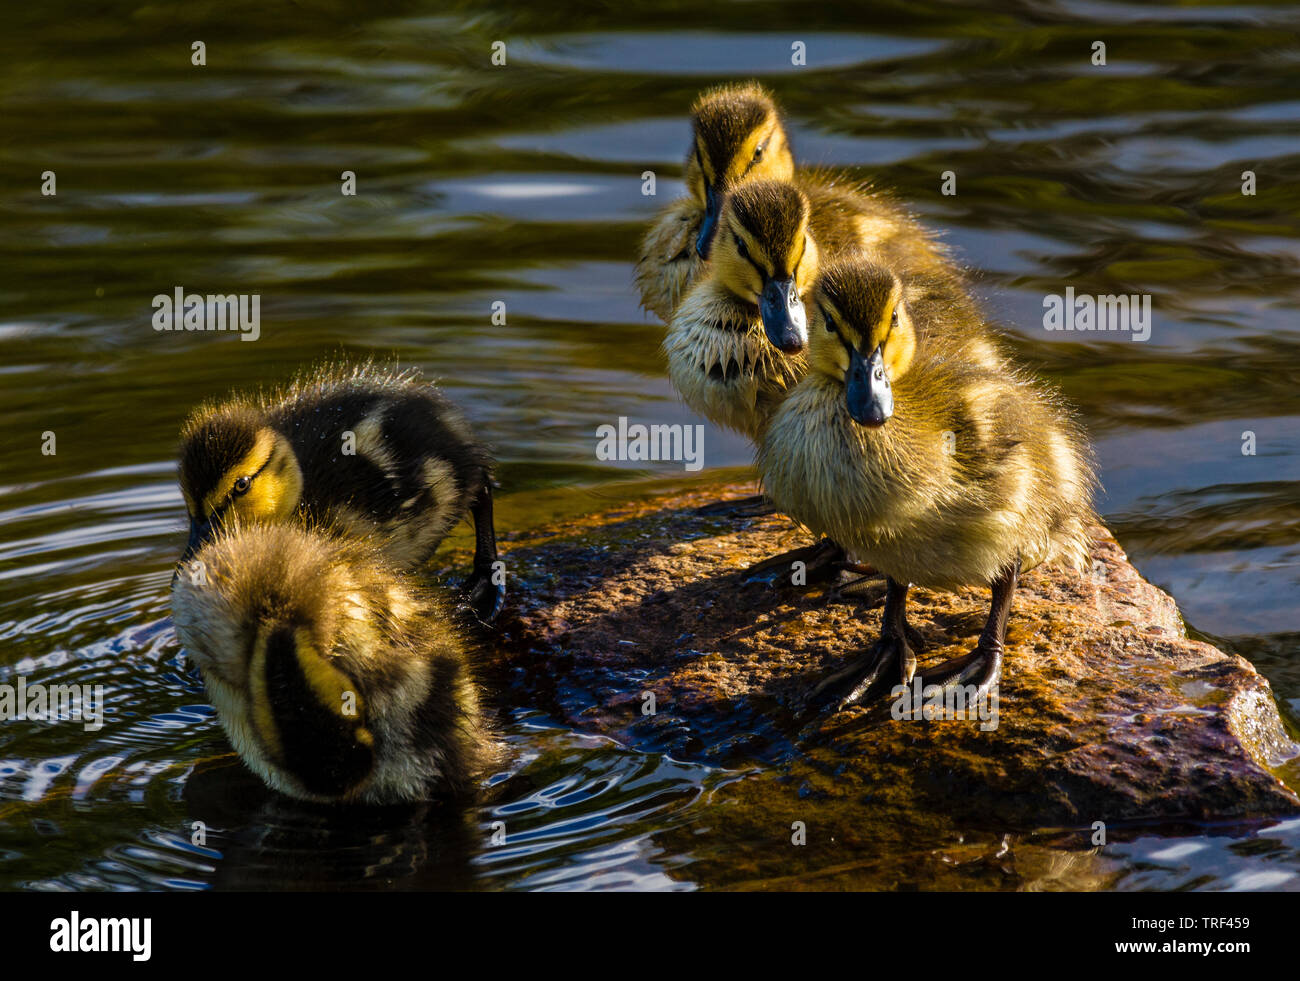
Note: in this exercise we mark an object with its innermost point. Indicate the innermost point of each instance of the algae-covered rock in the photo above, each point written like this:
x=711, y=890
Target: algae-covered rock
x=639, y=623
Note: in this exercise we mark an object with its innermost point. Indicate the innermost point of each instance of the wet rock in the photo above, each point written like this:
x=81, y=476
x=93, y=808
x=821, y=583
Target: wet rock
x=1108, y=711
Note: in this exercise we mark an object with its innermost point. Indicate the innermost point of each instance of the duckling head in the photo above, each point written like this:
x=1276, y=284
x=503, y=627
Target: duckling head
x=336, y=676
x=765, y=256
x=737, y=136
x=261, y=621
x=862, y=336
x=234, y=464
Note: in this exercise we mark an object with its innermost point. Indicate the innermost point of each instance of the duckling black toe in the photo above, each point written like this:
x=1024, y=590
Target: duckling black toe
x=979, y=670
x=485, y=597
x=888, y=663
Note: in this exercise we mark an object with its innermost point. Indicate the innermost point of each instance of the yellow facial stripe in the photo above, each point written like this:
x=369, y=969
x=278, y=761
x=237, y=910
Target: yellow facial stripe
x=334, y=689
x=263, y=716
x=796, y=253
x=740, y=162
x=251, y=462
x=900, y=345
x=703, y=159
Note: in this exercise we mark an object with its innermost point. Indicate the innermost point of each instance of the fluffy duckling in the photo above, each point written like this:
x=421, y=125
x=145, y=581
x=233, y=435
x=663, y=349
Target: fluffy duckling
x=738, y=136
x=371, y=452
x=939, y=471
x=734, y=344
x=334, y=677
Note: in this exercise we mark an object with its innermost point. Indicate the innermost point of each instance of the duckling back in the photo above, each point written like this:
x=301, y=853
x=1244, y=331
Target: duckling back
x=377, y=452
x=409, y=473
x=334, y=676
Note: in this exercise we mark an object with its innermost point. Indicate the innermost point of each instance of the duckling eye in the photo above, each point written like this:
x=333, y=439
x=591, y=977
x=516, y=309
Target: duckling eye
x=740, y=247
x=242, y=485
x=893, y=320
x=758, y=152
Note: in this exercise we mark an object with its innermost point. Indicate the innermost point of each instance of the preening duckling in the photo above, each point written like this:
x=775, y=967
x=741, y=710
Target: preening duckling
x=938, y=470
x=738, y=136
x=335, y=678
x=371, y=452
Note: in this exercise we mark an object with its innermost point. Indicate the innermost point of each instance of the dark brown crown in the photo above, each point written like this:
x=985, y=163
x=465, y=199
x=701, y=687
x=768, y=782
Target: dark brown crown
x=775, y=213
x=724, y=117
x=212, y=444
x=858, y=288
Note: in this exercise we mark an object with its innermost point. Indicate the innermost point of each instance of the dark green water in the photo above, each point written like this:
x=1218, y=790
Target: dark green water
x=523, y=184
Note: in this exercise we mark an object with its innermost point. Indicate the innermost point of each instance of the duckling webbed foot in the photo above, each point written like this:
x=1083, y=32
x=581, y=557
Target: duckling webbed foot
x=754, y=506
x=977, y=672
x=889, y=662
x=981, y=669
x=486, y=586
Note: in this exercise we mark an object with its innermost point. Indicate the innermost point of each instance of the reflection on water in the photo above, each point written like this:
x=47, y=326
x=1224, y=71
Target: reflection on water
x=522, y=184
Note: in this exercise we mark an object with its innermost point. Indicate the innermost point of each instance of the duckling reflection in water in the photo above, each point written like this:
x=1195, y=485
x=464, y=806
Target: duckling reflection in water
x=336, y=678
x=373, y=452
x=939, y=471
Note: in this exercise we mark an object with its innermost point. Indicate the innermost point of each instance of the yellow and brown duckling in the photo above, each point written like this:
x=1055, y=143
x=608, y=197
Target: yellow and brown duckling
x=940, y=471
x=734, y=345
x=738, y=136
x=335, y=677
x=370, y=452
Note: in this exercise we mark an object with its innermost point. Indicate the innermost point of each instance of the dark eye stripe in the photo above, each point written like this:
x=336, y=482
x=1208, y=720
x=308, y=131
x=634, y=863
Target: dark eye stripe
x=744, y=254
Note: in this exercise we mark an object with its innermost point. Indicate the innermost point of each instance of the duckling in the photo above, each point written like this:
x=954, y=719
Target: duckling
x=336, y=679
x=738, y=136
x=939, y=471
x=372, y=451
x=734, y=345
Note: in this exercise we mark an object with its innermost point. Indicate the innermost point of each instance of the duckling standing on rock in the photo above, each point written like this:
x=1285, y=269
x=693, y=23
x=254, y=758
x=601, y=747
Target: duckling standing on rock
x=370, y=452
x=335, y=678
x=738, y=136
x=939, y=471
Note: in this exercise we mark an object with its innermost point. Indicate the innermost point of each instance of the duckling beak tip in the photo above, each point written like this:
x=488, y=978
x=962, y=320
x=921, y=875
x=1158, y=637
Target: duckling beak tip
x=784, y=319
x=867, y=391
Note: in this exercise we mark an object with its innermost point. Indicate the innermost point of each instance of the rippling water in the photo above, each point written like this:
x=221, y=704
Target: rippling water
x=522, y=184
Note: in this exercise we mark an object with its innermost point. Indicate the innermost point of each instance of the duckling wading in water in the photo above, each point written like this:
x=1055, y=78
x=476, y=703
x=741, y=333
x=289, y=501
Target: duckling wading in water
x=370, y=452
x=939, y=471
x=334, y=676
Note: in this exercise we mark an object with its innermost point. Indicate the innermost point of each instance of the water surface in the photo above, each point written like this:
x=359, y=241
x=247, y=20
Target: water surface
x=522, y=184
